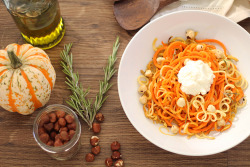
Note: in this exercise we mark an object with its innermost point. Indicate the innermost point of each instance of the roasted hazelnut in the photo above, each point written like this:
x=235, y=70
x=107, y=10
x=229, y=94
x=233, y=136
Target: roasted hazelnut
x=96, y=127
x=58, y=136
x=90, y=157
x=190, y=34
x=58, y=143
x=115, y=146
x=60, y=114
x=71, y=134
x=99, y=117
x=116, y=155
x=96, y=150
x=52, y=117
x=48, y=126
x=148, y=73
x=72, y=126
x=53, y=135
x=119, y=163
x=41, y=130
x=143, y=99
x=94, y=140
x=64, y=136
x=142, y=89
x=65, y=142
x=50, y=143
x=44, y=120
x=44, y=137
x=108, y=162
x=57, y=126
x=69, y=119
x=64, y=129
x=62, y=122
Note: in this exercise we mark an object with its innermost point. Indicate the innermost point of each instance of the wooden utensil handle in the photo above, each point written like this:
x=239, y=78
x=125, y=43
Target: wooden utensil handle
x=163, y=3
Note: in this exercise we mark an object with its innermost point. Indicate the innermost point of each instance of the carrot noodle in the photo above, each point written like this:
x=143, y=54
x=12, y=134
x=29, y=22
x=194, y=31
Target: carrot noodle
x=163, y=89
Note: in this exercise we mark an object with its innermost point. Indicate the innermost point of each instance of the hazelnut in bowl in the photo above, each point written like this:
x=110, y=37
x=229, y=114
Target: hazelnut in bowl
x=57, y=131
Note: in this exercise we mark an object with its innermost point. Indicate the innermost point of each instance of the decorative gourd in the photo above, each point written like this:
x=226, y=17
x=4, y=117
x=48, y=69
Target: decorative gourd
x=26, y=78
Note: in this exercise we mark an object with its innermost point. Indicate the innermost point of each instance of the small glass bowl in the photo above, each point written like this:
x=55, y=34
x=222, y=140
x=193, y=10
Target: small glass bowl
x=67, y=150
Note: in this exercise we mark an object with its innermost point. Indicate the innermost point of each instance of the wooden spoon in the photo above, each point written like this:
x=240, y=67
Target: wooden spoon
x=133, y=14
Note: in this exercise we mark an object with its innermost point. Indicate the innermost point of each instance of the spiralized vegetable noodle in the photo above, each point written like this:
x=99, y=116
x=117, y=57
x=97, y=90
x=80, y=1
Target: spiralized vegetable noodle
x=201, y=114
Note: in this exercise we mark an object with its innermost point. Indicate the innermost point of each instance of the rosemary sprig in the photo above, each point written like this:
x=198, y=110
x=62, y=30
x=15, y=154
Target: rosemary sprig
x=78, y=100
x=109, y=71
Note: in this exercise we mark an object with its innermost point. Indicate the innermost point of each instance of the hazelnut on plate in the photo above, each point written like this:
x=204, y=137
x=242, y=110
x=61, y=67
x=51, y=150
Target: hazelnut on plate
x=142, y=89
x=190, y=34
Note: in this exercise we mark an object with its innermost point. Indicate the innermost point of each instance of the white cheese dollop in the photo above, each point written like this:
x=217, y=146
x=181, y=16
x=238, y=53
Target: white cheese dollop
x=195, y=77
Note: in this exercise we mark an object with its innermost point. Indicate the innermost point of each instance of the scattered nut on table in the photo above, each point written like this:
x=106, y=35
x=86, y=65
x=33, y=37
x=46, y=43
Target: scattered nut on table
x=116, y=155
x=119, y=163
x=115, y=146
x=108, y=162
x=96, y=150
x=96, y=127
x=90, y=157
x=94, y=141
x=99, y=117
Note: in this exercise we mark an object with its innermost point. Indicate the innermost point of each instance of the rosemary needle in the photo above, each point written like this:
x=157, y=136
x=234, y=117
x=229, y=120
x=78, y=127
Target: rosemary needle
x=78, y=100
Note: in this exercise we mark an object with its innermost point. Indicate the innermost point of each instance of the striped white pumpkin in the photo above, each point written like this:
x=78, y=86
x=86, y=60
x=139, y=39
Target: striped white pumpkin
x=27, y=80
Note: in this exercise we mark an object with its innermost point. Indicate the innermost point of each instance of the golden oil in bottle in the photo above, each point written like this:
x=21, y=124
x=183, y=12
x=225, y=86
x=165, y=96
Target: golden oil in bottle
x=39, y=21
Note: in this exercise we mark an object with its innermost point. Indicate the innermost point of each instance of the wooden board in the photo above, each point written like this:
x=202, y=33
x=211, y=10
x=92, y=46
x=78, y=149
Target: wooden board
x=91, y=26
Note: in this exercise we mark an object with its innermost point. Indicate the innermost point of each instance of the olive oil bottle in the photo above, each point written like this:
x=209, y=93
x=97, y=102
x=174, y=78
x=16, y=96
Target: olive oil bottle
x=39, y=21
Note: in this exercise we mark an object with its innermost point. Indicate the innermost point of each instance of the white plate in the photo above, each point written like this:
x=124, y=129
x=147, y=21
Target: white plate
x=139, y=52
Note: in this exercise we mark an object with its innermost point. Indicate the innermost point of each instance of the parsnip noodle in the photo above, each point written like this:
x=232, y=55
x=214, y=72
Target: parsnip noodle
x=201, y=114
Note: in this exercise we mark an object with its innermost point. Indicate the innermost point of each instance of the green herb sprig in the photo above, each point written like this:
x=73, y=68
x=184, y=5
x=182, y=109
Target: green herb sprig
x=78, y=100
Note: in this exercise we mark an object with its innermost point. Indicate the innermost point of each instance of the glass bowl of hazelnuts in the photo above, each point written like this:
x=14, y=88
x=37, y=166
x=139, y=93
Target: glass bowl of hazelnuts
x=57, y=131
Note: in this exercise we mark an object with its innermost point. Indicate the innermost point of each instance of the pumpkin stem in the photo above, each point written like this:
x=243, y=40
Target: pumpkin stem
x=15, y=61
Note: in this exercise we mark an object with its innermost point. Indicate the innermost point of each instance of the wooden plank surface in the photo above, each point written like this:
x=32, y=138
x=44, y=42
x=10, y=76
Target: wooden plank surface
x=91, y=26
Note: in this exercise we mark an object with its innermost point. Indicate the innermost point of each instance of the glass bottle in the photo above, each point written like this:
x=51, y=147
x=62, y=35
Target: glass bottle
x=39, y=21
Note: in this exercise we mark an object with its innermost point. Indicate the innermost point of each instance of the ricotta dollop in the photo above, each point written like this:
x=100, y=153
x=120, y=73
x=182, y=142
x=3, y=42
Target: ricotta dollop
x=196, y=78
